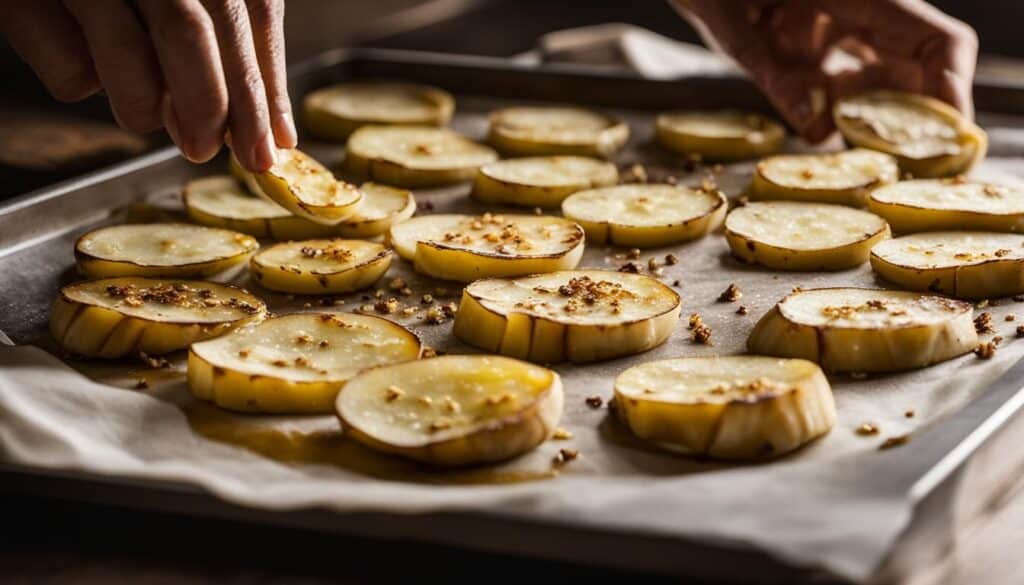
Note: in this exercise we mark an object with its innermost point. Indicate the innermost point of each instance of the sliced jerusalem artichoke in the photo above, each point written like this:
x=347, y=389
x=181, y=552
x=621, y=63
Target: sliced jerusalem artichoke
x=553, y=130
x=466, y=247
x=294, y=364
x=578, y=315
x=734, y=407
x=304, y=187
x=928, y=137
x=173, y=250
x=414, y=156
x=314, y=267
x=790, y=235
x=452, y=410
x=972, y=265
x=949, y=204
x=541, y=181
x=645, y=215
x=844, y=178
x=719, y=135
x=866, y=330
x=221, y=202
x=336, y=111
x=117, y=317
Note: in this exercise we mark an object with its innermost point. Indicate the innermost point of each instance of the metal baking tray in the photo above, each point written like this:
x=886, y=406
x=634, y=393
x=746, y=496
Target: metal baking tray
x=37, y=231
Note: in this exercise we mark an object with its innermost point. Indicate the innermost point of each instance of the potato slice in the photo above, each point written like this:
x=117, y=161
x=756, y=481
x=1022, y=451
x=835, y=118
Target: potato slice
x=791, y=235
x=577, y=315
x=466, y=247
x=844, y=178
x=730, y=407
x=304, y=187
x=646, y=215
x=294, y=364
x=116, y=317
x=173, y=250
x=220, y=201
x=949, y=204
x=929, y=138
x=726, y=135
x=414, y=156
x=336, y=111
x=314, y=267
x=866, y=330
x=972, y=265
x=544, y=130
x=541, y=181
x=453, y=410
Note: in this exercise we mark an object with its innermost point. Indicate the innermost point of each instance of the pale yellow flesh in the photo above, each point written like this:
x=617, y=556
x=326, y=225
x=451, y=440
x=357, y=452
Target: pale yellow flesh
x=414, y=156
x=294, y=364
x=866, y=330
x=305, y=188
x=173, y=250
x=334, y=112
x=645, y=215
x=719, y=135
x=320, y=266
x=579, y=316
x=735, y=407
x=465, y=247
x=453, y=410
x=928, y=137
x=117, y=317
x=790, y=235
x=961, y=264
x=542, y=131
x=843, y=178
x=540, y=181
x=220, y=201
x=949, y=204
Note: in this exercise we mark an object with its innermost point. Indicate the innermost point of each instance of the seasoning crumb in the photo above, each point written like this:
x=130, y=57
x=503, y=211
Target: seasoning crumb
x=565, y=455
x=386, y=307
x=633, y=253
x=1010, y=317
x=594, y=401
x=393, y=393
x=983, y=323
x=867, y=429
x=981, y=304
x=894, y=442
x=742, y=310
x=909, y=414
x=1020, y=331
x=677, y=283
x=630, y=267
x=702, y=335
x=671, y=259
x=154, y=362
x=986, y=350
x=141, y=384
x=561, y=434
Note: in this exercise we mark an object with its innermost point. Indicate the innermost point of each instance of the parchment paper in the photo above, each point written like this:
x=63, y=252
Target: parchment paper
x=820, y=506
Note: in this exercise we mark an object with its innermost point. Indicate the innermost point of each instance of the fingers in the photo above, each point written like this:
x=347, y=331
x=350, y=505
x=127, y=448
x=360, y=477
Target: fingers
x=124, y=60
x=186, y=47
x=45, y=35
x=949, y=62
x=248, y=115
x=267, y=20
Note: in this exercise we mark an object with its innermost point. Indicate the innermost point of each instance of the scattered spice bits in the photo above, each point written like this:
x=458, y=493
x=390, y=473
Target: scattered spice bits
x=561, y=434
x=244, y=353
x=440, y=425
x=677, y=283
x=386, y=307
x=730, y=294
x=430, y=352
x=633, y=254
x=594, y=401
x=397, y=284
x=1020, y=331
x=695, y=321
x=742, y=310
x=1010, y=317
x=671, y=259
x=983, y=323
x=653, y=265
x=894, y=442
x=981, y=304
x=909, y=414
x=986, y=350
x=630, y=267
x=141, y=384
x=427, y=299
x=868, y=429
x=333, y=251
x=565, y=456
x=154, y=362
x=702, y=335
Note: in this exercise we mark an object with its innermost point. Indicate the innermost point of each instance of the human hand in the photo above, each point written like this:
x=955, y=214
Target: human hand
x=788, y=47
x=202, y=69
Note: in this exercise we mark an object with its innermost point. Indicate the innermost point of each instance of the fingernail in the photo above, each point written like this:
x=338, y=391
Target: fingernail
x=264, y=154
x=284, y=130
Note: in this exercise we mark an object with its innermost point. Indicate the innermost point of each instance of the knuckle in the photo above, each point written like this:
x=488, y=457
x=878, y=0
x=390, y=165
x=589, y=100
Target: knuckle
x=265, y=12
x=180, y=22
x=139, y=112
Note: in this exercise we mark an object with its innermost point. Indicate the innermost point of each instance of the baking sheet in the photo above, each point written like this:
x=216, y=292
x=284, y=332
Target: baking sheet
x=825, y=506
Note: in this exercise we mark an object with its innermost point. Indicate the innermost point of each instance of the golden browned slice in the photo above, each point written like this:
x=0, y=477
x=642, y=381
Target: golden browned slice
x=972, y=265
x=730, y=407
x=949, y=204
x=312, y=267
x=220, y=201
x=294, y=364
x=866, y=330
x=725, y=135
x=645, y=215
x=576, y=315
x=117, y=317
x=844, y=178
x=541, y=181
x=414, y=156
x=555, y=130
x=791, y=235
x=336, y=111
x=928, y=137
x=467, y=247
x=453, y=410
x=173, y=250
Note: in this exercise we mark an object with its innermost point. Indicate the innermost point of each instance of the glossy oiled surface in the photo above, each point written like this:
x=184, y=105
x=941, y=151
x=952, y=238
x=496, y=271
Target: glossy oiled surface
x=164, y=244
x=803, y=226
x=501, y=235
x=858, y=308
x=641, y=205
